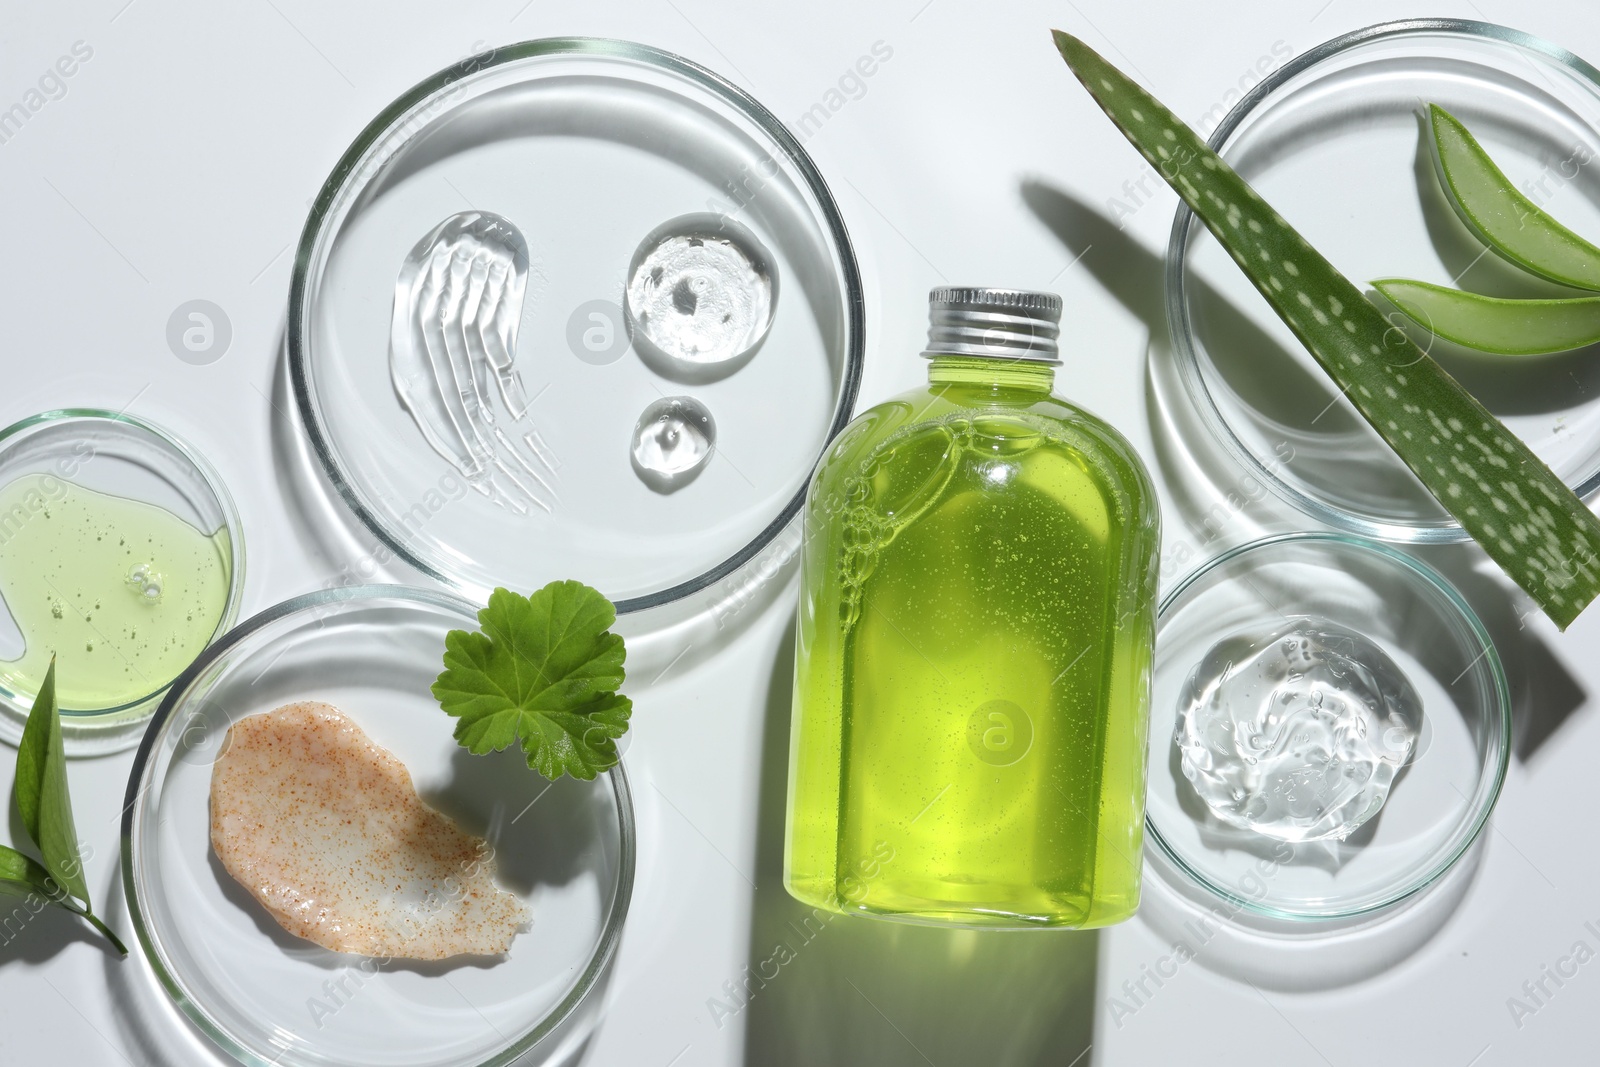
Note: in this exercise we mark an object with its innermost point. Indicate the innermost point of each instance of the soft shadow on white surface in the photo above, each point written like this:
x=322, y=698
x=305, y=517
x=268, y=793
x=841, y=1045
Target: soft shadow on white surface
x=1544, y=693
x=320, y=519
x=33, y=938
x=1296, y=956
x=862, y=991
x=150, y=1029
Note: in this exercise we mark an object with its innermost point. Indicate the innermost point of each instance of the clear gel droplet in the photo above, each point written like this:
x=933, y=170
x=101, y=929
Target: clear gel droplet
x=672, y=441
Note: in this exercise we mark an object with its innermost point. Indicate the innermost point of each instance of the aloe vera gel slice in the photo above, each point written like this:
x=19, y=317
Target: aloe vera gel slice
x=1531, y=524
x=1501, y=216
x=1490, y=324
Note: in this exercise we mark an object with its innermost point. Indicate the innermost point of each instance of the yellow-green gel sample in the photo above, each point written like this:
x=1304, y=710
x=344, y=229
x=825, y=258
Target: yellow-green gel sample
x=122, y=593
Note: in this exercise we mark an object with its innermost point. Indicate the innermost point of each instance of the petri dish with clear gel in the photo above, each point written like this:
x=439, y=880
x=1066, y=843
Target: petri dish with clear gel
x=121, y=558
x=1336, y=141
x=508, y=200
x=1417, y=634
x=262, y=995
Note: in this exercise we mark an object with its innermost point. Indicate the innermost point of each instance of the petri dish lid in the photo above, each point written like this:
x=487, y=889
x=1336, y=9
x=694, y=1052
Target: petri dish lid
x=585, y=147
x=143, y=466
x=1444, y=789
x=262, y=995
x=1335, y=141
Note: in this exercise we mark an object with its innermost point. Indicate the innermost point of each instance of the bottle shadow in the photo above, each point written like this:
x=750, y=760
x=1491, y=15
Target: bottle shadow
x=826, y=988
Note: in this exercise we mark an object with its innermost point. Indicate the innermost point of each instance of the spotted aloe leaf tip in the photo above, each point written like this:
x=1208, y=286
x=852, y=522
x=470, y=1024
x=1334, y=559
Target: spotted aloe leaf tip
x=1527, y=520
x=1503, y=218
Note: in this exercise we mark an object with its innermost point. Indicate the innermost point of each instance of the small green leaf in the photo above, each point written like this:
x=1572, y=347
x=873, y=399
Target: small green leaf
x=1491, y=324
x=22, y=876
x=543, y=671
x=1525, y=518
x=41, y=791
x=33, y=752
x=1503, y=218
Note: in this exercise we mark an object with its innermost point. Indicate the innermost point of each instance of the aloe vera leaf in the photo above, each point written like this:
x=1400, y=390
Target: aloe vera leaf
x=1531, y=524
x=1490, y=324
x=1501, y=216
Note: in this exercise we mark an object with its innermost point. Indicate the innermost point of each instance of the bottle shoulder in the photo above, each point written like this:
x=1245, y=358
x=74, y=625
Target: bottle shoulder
x=938, y=408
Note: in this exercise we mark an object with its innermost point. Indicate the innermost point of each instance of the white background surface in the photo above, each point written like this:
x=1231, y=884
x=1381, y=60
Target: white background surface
x=179, y=165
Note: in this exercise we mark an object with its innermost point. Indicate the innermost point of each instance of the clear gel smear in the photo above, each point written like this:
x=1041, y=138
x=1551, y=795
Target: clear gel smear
x=1296, y=734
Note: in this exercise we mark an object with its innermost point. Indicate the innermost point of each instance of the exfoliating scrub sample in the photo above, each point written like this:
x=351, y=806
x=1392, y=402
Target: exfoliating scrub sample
x=122, y=593
x=323, y=827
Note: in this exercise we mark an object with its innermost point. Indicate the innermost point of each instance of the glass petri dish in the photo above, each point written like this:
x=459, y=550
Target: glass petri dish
x=1336, y=142
x=113, y=454
x=1445, y=789
x=586, y=147
x=372, y=651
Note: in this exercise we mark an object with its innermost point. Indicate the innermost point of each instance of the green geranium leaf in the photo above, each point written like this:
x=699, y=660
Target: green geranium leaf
x=542, y=671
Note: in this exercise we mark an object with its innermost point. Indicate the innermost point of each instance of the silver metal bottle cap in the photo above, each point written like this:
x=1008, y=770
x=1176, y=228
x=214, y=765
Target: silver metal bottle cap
x=996, y=323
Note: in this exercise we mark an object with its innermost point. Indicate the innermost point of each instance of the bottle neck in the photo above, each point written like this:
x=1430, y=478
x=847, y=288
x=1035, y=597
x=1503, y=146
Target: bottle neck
x=1030, y=376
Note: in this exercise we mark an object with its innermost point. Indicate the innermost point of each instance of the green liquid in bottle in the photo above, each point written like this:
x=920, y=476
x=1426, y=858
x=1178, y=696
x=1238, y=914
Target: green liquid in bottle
x=971, y=679
x=124, y=594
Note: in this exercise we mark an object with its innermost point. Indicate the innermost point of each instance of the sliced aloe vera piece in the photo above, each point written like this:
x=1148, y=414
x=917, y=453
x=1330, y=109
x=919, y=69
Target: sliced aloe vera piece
x=1490, y=324
x=1501, y=216
x=1531, y=524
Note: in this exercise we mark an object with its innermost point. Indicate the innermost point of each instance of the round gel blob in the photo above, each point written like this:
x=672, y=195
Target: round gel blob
x=700, y=297
x=1297, y=734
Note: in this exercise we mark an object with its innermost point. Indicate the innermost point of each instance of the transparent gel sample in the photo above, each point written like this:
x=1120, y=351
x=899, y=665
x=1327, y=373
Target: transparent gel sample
x=587, y=147
x=122, y=593
x=672, y=442
x=1296, y=734
x=452, y=356
x=700, y=297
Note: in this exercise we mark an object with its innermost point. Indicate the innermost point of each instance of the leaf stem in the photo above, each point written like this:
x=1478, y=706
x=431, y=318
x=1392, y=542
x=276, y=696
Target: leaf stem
x=116, y=942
